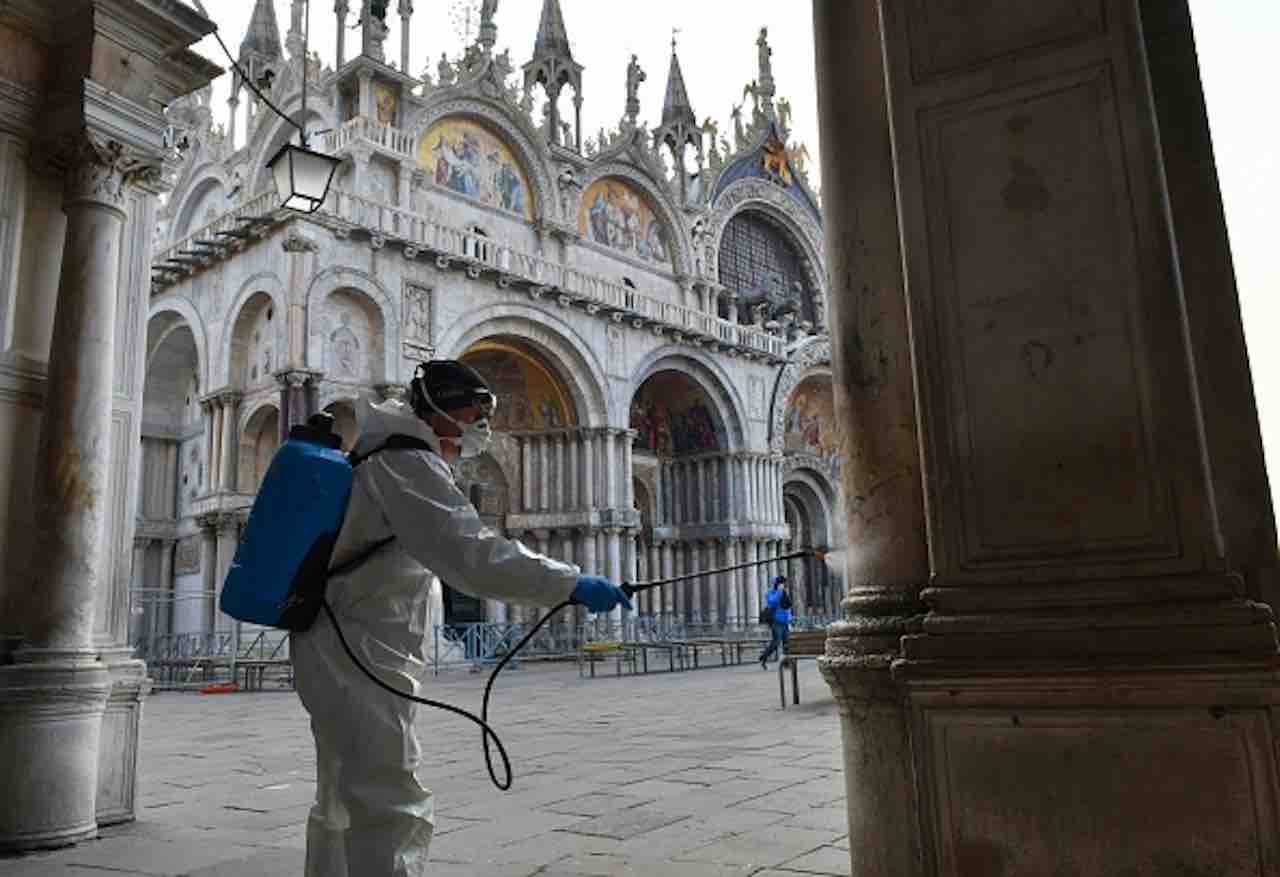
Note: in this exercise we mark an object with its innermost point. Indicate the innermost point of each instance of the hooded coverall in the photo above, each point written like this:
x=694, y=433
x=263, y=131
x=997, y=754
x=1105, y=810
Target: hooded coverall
x=372, y=817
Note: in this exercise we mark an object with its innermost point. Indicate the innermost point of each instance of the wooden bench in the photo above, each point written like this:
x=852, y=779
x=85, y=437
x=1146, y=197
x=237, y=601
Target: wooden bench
x=803, y=645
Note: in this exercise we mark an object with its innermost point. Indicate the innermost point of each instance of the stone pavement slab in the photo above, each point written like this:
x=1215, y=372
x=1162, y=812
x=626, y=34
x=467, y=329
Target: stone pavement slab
x=695, y=774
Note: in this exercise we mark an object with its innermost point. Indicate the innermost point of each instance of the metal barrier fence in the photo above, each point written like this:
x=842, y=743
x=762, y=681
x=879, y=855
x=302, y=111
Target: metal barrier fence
x=260, y=656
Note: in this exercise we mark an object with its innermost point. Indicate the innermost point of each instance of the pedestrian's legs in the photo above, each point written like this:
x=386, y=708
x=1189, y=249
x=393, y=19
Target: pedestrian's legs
x=392, y=815
x=783, y=635
x=327, y=822
x=774, y=642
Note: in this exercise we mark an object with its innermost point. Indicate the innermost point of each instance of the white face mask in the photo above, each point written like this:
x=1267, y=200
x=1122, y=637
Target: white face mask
x=476, y=436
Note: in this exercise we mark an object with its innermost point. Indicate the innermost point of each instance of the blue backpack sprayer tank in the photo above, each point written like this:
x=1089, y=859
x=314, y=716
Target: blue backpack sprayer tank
x=283, y=561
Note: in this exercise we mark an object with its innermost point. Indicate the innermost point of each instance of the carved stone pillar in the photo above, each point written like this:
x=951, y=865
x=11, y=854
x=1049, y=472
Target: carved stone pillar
x=209, y=451
x=166, y=583
x=732, y=604
x=609, y=479
x=406, y=15
x=572, y=472
x=340, y=10
x=296, y=398
x=230, y=459
x=628, y=439
x=680, y=590
x=228, y=530
x=588, y=470
x=54, y=694
x=667, y=552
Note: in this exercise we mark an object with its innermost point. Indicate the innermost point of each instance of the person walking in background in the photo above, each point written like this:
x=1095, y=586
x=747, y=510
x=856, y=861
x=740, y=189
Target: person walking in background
x=777, y=614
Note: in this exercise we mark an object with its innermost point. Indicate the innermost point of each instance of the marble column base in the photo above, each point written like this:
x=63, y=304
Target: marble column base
x=51, y=709
x=118, y=748
x=1168, y=768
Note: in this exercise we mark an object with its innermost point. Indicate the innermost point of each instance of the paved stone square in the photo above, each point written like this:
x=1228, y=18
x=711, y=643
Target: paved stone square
x=699, y=774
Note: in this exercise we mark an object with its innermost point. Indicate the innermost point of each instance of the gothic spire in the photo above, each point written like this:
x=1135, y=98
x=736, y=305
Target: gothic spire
x=553, y=67
x=679, y=129
x=553, y=39
x=263, y=37
x=677, y=107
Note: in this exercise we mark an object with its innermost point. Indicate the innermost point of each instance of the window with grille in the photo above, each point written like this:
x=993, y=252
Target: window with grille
x=756, y=256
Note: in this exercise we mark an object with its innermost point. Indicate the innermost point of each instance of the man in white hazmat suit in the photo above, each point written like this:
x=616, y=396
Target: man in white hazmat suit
x=372, y=817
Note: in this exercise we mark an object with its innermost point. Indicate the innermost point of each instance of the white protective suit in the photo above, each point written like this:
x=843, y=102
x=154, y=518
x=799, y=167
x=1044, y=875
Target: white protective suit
x=372, y=818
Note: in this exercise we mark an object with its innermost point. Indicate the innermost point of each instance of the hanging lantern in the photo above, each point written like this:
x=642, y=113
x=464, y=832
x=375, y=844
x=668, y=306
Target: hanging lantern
x=302, y=177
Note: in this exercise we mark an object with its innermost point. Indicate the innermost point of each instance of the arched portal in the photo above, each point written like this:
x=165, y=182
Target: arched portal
x=172, y=479
x=680, y=432
x=532, y=393
x=253, y=349
x=808, y=515
x=258, y=443
x=673, y=417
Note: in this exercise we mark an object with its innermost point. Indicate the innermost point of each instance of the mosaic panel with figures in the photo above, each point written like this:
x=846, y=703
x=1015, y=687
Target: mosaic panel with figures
x=467, y=158
x=530, y=397
x=616, y=215
x=811, y=423
x=673, y=416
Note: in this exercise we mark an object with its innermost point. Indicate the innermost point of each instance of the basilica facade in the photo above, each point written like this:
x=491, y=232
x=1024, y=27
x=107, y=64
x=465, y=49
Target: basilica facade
x=648, y=304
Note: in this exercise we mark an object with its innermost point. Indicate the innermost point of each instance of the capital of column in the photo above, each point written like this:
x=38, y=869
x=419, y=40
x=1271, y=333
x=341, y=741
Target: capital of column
x=97, y=170
x=296, y=379
x=228, y=523
x=208, y=520
x=229, y=398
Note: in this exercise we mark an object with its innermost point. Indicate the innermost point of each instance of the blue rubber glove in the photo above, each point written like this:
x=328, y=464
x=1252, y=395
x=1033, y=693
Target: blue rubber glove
x=599, y=594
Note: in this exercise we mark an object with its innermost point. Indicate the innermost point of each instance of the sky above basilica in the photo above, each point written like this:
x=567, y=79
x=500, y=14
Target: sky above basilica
x=716, y=38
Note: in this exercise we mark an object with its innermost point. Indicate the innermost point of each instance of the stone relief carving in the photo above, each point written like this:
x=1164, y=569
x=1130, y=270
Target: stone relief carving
x=417, y=313
x=186, y=558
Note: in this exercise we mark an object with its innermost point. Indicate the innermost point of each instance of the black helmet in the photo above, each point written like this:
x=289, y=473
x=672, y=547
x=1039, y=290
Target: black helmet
x=446, y=385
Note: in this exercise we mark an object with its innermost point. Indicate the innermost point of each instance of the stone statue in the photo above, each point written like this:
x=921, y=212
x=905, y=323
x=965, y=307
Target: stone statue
x=784, y=114
x=445, y=71
x=635, y=76
x=488, y=9
x=766, y=53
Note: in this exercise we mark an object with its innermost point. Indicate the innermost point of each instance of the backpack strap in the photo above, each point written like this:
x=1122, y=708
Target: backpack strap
x=396, y=442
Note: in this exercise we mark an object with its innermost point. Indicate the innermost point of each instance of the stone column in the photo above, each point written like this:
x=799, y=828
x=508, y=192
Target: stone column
x=560, y=495
x=573, y=475
x=138, y=577
x=230, y=443
x=610, y=473
x=613, y=560
x=704, y=501
x=732, y=607
x=588, y=470
x=209, y=451
x=543, y=452
x=54, y=693
x=628, y=439
x=340, y=10
x=406, y=15
x=208, y=569
x=680, y=590
x=166, y=583
x=526, y=473
x=755, y=576
x=228, y=528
